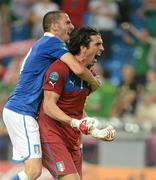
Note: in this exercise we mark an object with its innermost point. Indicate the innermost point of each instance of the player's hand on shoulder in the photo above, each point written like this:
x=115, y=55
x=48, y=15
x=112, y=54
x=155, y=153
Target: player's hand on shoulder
x=84, y=125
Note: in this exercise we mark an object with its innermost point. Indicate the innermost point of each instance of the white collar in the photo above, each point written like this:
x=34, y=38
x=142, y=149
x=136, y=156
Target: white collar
x=49, y=34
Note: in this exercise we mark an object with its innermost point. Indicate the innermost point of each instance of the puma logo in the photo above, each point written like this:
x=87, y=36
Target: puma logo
x=52, y=83
x=72, y=82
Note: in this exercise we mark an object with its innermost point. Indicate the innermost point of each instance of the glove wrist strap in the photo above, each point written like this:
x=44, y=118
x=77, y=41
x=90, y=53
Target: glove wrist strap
x=74, y=123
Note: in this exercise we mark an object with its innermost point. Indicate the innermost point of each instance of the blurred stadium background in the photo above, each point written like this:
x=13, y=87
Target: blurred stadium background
x=127, y=98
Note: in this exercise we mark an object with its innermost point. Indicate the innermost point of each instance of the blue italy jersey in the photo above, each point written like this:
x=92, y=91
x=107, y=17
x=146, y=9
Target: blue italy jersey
x=28, y=93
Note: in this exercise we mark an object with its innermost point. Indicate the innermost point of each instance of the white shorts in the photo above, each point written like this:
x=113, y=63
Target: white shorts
x=24, y=134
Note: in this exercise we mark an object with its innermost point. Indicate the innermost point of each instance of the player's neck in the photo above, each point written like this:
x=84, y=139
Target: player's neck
x=80, y=58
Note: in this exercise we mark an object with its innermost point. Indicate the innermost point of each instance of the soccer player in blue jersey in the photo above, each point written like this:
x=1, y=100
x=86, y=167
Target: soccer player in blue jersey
x=21, y=109
x=60, y=117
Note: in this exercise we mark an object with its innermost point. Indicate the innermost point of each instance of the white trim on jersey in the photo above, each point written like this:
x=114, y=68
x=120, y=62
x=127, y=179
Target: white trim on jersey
x=49, y=34
x=24, y=60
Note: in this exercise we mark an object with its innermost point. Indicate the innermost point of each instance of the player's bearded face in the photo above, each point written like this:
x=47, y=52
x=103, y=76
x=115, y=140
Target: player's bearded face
x=94, y=50
x=65, y=27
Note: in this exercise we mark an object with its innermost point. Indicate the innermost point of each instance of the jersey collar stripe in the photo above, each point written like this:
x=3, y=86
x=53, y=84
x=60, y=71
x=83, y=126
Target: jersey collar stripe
x=48, y=34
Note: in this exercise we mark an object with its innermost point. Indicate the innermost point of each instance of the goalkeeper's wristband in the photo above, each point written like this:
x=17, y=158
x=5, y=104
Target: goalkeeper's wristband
x=81, y=125
x=74, y=123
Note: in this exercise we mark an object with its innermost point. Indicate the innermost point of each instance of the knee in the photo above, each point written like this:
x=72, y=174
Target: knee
x=34, y=173
x=33, y=170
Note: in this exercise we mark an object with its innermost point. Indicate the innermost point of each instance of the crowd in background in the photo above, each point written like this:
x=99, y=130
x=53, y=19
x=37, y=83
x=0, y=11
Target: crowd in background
x=128, y=64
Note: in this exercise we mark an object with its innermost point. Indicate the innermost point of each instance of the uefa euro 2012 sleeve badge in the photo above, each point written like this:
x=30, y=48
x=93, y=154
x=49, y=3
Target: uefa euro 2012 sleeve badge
x=53, y=78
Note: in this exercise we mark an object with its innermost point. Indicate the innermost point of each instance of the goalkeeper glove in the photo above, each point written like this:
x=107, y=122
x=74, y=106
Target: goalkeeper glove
x=83, y=125
x=106, y=134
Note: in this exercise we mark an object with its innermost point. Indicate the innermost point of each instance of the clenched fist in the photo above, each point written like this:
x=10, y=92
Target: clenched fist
x=106, y=134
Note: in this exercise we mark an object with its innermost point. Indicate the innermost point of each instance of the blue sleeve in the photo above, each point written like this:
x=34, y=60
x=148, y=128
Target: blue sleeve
x=57, y=48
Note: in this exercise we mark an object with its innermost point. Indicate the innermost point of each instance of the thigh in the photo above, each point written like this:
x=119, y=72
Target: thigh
x=24, y=135
x=77, y=159
x=58, y=160
x=70, y=177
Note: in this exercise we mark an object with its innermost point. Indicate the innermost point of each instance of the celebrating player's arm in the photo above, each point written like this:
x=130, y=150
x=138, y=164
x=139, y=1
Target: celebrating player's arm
x=50, y=100
x=81, y=71
x=85, y=125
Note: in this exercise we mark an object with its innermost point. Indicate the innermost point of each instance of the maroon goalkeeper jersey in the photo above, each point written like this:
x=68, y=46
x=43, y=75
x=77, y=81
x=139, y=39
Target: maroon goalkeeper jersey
x=73, y=92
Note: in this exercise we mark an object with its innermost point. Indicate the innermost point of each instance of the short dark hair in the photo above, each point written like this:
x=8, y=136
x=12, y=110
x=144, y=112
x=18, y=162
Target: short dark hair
x=51, y=17
x=81, y=37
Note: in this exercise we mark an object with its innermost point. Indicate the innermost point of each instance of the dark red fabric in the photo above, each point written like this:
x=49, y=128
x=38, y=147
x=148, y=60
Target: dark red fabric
x=76, y=10
x=54, y=153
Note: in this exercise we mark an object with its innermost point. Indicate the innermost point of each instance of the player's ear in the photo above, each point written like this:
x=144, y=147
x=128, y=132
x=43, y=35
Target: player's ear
x=83, y=49
x=54, y=27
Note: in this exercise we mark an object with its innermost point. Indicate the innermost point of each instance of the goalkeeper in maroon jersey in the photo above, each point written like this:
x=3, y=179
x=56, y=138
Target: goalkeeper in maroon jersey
x=60, y=117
